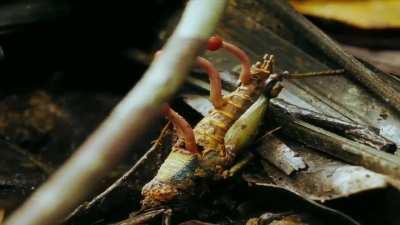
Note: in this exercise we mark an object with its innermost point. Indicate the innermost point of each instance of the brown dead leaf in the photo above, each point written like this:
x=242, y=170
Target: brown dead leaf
x=2, y=212
x=366, y=14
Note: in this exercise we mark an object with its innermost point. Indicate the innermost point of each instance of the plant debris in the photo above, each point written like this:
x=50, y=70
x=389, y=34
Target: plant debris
x=280, y=155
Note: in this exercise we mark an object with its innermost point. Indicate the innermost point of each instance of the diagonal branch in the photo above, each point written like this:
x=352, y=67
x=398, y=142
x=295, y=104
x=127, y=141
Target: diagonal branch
x=72, y=183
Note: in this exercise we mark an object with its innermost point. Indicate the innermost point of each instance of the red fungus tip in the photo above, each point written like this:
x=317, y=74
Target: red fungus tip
x=214, y=43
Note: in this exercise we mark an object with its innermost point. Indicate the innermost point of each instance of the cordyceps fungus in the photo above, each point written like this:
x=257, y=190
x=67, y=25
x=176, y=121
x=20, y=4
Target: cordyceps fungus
x=215, y=82
x=216, y=42
x=214, y=77
x=183, y=128
x=200, y=155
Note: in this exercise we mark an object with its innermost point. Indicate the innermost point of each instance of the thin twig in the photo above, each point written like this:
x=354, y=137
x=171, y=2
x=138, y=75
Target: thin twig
x=357, y=132
x=72, y=183
x=44, y=166
x=345, y=149
x=155, y=147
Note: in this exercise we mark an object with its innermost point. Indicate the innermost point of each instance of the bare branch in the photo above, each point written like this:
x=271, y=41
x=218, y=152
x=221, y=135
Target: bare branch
x=72, y=183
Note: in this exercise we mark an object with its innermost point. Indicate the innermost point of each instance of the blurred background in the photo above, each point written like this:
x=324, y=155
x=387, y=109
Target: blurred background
x=369, y=30
x=65, y=64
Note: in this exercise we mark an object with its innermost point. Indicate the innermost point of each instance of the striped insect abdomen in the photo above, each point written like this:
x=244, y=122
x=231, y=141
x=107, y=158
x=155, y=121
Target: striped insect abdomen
x=211, y=130
x=183, y=171
x=173, y=181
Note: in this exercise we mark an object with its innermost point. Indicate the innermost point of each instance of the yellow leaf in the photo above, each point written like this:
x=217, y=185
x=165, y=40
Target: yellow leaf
x=2, y=212
x=366, y=14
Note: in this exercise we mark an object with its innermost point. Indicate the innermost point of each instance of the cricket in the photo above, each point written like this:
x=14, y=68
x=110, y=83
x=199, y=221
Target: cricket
x=201, y=154
x=200, y=112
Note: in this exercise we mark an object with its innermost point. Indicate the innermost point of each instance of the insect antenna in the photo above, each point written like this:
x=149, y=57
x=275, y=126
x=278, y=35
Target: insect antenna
x=274, y=87
x=287, y=75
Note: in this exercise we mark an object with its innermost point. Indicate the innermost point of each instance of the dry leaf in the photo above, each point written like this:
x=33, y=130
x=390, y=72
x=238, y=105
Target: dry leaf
x=280, y=155
x=366, y=14
x=2, y=212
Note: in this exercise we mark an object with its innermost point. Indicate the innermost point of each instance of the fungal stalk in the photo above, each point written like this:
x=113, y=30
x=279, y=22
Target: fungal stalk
x=183, y=128
x=216, y=42
x=214, y=77
x=215, y=82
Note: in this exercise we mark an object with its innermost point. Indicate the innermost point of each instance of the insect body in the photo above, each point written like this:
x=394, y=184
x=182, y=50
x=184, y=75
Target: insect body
x=202, y=155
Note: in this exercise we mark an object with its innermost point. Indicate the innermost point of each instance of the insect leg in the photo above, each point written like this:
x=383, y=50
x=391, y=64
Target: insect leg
x=273, y=87
x=215, y=82
x=166, y=219
x=275, y=90
x=265, y=68
x=239, y=165
x=288, y=75
x=273, y=84
x=184, y=129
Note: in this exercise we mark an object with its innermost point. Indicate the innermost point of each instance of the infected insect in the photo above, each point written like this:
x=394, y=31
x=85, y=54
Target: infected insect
x=201, y=154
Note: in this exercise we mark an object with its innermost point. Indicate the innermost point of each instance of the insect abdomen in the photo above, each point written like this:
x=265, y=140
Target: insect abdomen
x=173, y=180
x=211, y=130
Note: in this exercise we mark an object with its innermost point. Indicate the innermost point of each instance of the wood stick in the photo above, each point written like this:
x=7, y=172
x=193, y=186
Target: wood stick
x=72, y=183
x=360, y=133
x=347, y=150
x=130, y=174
